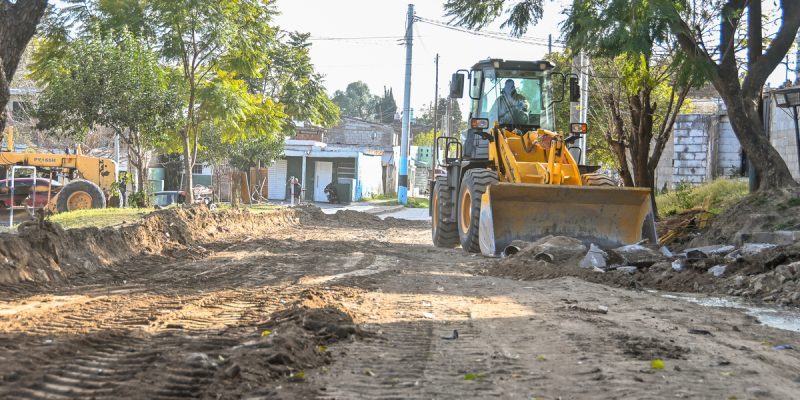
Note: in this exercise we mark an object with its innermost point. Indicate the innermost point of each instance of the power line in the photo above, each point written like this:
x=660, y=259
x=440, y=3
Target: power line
x=493, y=35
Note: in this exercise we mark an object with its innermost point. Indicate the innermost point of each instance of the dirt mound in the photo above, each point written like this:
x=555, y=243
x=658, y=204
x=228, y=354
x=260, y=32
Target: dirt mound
x=44, y=252
x=313, y=215
x=291, y=342
x=773, y=210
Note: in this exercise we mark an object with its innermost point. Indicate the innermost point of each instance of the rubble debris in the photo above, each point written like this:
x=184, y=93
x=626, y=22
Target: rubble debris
x=694, y=331
x=717, y=270
x=638, y=255
x=595, y=258
x=627, y=270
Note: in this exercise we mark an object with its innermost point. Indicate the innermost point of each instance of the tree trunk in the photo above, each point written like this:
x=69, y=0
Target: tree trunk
x=743, y=113
x=187, y=167
x=18, y=21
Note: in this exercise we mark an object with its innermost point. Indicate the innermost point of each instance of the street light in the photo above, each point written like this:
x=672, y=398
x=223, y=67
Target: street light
x=790, y=98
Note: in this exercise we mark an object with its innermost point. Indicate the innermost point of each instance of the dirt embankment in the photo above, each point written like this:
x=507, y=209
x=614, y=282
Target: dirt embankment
x=44, y=252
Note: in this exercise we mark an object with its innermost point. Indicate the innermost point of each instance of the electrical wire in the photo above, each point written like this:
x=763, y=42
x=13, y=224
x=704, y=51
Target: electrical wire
x=496, y=35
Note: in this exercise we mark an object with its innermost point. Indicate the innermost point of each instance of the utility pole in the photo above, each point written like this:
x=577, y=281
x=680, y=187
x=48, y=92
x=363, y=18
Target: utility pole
x=550, y=43
x=435, y=117
x=447, y=116
x=578, y=110
x=402, y=190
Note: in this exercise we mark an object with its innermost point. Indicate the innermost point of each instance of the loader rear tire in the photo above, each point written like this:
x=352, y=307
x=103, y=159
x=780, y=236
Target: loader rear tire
x=444, y=230
x=597, y=180
x=80, y=195
x=473, y=186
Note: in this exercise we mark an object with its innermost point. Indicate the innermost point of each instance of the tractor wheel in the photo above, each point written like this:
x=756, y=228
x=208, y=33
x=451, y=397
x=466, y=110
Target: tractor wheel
x=444, y=226
x=80, y=195
x=598, y=180
x=473, y=186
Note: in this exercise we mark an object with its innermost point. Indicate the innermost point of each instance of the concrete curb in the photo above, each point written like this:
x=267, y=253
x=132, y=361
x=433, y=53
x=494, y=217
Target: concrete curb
x=385, y=210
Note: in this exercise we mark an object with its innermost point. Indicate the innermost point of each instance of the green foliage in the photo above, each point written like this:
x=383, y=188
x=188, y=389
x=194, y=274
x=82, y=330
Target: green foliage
x=423, y=139
x=723, y=192
x=417, y=202
x=140, y=199
x=457, y=120
x=386, y=107
x=356, y=100
x=476, y=14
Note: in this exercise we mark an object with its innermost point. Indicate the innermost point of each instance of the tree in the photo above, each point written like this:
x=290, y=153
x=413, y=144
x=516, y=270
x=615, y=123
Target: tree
x=424, y=139
x=356, y=101
x=113, y=82
x=457, y=121
x=18, y=21
x=712, y=50
x=211, y=41
x=288, y=77
x=386, y=107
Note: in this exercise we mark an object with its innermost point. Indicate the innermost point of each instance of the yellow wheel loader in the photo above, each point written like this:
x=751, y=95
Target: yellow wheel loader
x=512, y=175
x=86, y=180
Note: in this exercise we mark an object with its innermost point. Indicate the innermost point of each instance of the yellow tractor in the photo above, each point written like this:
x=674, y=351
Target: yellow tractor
x=86, y=181
x=512, y=176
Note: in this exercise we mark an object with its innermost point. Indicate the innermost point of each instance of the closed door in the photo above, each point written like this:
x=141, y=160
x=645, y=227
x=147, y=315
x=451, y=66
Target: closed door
x=323, y=174
x=276, y=180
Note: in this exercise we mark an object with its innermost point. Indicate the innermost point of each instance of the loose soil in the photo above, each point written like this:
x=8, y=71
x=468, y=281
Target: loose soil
x=296, y=304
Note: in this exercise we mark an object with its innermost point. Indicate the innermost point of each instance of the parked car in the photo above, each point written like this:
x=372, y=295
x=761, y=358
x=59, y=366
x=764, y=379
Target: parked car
x=169, y=197
x=23, y=195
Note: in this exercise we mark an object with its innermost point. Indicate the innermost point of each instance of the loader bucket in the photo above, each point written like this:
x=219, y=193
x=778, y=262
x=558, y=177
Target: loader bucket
x=606, y=216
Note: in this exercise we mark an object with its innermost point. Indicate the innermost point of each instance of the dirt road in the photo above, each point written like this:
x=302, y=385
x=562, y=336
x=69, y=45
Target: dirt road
x=355, y=307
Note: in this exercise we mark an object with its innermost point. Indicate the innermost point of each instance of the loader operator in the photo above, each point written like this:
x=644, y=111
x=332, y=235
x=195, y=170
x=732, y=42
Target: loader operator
x=512, y=107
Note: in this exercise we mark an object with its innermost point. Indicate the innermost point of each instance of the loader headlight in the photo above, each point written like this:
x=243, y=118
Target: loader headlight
x=479, y=123
x=578, y=128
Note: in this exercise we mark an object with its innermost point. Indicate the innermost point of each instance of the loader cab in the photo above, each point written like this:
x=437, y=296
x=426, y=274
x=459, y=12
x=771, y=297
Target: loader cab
x=517, y=94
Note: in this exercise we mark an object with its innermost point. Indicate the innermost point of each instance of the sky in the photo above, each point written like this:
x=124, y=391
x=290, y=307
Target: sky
x=378, y=58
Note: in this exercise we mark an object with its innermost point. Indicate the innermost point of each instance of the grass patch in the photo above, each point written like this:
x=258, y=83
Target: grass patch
x=101, y=217
x=723, y=192
x=382, y=198
x=417, y=202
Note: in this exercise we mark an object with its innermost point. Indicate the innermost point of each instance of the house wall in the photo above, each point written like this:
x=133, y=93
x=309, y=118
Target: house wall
x=358, y=132
x=370, y=176
x=341, y=168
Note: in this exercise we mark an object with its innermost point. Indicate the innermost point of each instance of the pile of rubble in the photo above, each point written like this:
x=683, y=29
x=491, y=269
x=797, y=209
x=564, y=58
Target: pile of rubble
x=761, y=271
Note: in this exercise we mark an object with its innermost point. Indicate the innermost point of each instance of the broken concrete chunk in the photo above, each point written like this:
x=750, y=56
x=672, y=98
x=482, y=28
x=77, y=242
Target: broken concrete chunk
x=750, y=249
x=595, y=258
x=777, y=237
x=549, y=248
x=627, y=270
x=677, y=265
x=665, y=251
x=715, y=250
x=638, y=255
x=717, y=270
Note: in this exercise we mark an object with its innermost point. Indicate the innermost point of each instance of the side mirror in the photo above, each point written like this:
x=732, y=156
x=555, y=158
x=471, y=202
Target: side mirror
x=457, y=86
x=574, y=89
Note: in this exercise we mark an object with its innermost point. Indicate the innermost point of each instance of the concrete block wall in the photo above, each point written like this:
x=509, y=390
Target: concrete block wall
x=782, y=136
x=361, y=133
x=729, y=151
x=690, y=161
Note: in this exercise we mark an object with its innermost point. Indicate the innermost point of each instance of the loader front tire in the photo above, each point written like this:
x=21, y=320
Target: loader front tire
x=597, y=180
x=473, y=186
x=80, y=195
x=444, y=231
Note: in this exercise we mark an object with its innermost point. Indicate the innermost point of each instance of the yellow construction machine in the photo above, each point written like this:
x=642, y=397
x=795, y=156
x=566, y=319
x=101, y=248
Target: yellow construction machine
x=512, y=176
x=85, y=181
